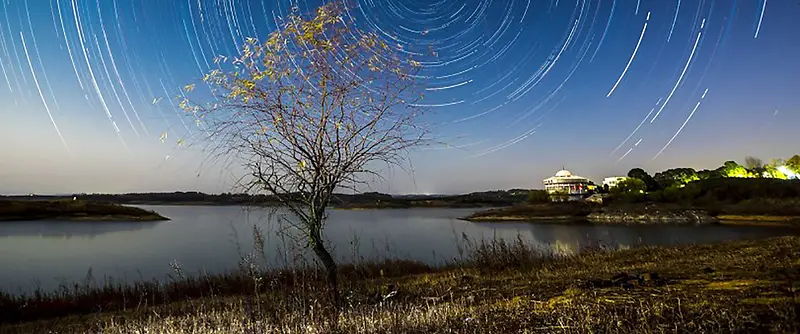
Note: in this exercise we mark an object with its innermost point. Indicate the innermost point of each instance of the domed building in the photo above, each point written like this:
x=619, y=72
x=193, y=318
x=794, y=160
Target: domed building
x=573, y=187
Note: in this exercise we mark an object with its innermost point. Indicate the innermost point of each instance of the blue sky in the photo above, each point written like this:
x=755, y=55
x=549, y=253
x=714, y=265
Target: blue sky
x=519, y=88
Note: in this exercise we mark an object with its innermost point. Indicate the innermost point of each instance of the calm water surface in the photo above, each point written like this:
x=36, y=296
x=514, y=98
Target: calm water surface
x=212, y=239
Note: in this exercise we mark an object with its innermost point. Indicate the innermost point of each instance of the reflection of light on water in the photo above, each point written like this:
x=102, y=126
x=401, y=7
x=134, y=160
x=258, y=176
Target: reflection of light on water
x=561, y=248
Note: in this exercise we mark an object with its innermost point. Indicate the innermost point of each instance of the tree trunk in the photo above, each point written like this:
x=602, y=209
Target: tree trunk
x=331, y=270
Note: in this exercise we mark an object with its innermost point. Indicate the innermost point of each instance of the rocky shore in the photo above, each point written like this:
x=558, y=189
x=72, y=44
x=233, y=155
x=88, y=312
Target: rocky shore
x=592, y=213
x=654, y=216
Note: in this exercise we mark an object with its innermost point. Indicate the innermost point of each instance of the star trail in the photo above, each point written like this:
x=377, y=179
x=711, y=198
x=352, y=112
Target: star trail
x=501, y=77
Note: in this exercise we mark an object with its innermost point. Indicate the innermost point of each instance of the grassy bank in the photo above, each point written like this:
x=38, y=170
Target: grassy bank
x=546, y=212
x=744, y=286
x=21, y=210
x=760, y=220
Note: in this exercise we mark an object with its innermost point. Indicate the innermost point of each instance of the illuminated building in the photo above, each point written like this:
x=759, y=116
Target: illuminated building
x=612, y=182
x=571, y=187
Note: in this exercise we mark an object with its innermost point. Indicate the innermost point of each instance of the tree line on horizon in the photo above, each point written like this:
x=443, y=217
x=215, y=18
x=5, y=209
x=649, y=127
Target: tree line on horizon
x=752, y=168
x=730, y=182
x=673, y=185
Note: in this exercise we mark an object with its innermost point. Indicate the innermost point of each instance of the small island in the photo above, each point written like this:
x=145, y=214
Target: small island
x=536, y=212
x=73, y=210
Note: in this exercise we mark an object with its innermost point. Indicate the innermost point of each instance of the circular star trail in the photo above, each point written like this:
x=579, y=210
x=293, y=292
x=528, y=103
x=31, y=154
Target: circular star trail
x=496, y=73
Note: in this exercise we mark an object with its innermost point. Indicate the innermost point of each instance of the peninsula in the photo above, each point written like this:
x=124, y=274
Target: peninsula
x=27, y=210
x=679, y=196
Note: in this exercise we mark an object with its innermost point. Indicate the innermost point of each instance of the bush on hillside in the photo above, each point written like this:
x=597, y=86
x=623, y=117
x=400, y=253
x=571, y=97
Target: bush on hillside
x=764, y=206
x=739, y=189
x=630, y=190
x=728, y=190
x=677, y=194
x=538, y=196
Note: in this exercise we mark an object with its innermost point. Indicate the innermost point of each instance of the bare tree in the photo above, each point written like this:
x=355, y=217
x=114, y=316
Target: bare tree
x=754, y=165
x=316, y=108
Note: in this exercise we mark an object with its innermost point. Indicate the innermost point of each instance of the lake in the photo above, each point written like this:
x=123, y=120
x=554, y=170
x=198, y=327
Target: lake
x=213, y=238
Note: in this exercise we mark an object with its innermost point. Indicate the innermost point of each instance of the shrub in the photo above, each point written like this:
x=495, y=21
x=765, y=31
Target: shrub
x=629, y=190
x=728, y=190
x=538, y=197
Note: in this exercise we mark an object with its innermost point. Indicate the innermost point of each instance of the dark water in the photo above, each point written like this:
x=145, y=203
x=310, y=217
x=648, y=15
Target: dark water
x=211, y=239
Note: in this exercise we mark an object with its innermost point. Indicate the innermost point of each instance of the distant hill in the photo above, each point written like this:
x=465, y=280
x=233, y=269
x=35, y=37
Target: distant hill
x=363, y=200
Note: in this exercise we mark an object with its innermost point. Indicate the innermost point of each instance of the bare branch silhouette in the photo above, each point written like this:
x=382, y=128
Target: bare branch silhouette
x=312, y=110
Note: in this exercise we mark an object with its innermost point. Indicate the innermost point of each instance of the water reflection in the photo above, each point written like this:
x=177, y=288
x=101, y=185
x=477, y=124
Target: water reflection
x=573, y=238
x=213, y=239
x=69, y=229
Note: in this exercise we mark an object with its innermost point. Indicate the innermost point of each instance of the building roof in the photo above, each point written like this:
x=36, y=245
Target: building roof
x=563, y=173
x=565, y=176
x=573, y=178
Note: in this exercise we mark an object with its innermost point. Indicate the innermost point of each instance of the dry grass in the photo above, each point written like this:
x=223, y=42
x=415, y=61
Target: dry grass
x=734, y=287
x=758, y=218
x=766, y=221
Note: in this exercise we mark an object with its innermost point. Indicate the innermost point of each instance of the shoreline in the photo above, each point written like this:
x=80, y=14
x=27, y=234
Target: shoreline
x=108, y=218
x=789, y=221
x=760, y=218
x=523, y=219
x=117, y=218
x=630, y=215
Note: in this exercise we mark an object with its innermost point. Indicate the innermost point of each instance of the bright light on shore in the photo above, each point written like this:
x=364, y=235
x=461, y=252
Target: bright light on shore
x=789, y=174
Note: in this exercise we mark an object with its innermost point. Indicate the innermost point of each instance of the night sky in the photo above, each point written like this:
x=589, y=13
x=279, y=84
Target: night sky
x=517, y=88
